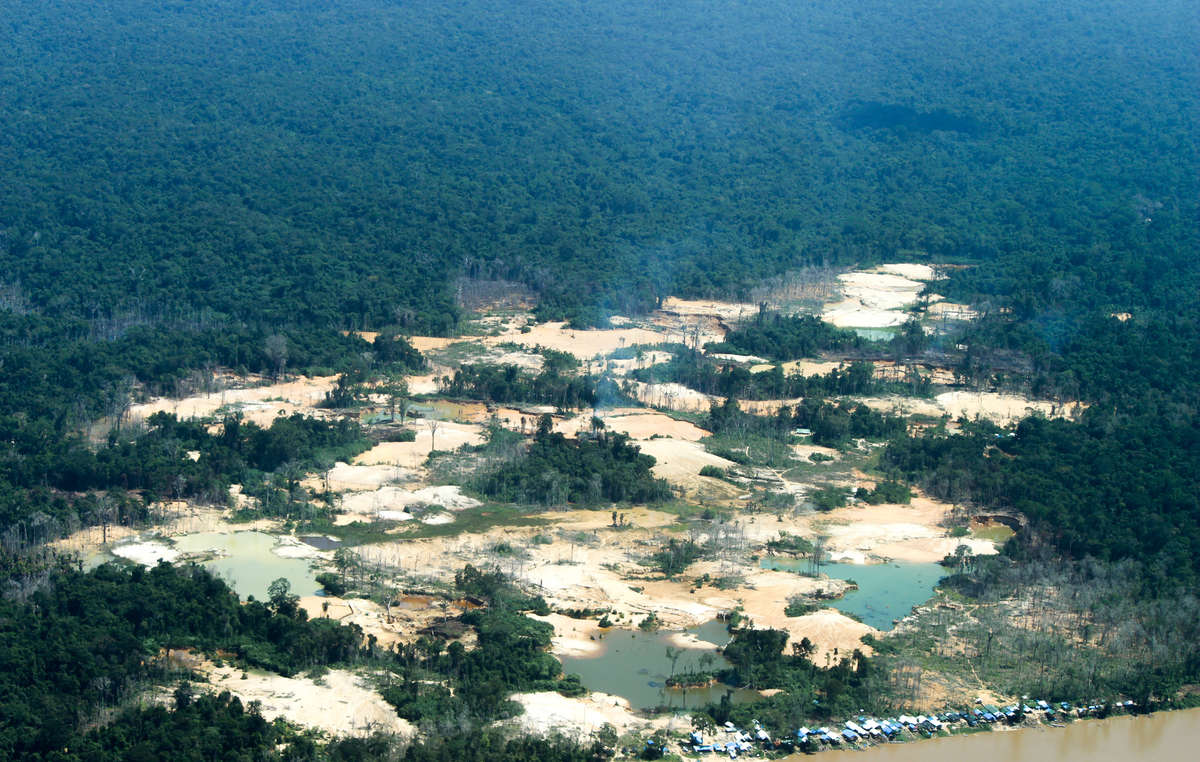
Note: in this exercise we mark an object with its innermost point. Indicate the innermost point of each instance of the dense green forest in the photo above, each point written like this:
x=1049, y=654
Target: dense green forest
x=338, y=164
x=192, y=186
x=92, y=640
x=589, y=470
x=508, y=383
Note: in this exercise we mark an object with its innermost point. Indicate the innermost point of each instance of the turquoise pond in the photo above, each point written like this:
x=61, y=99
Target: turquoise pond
x=886, y=592
x=634, y=666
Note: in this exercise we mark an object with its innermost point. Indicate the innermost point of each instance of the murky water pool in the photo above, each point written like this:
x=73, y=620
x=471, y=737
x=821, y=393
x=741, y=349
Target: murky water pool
x=634, y=665
x=246, y=561
x=886, y=592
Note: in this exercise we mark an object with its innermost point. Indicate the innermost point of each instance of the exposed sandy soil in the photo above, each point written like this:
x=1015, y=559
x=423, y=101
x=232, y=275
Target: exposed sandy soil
x=645, y=425
x=910, y=271
x=729, y=312
x=585, y=345
x=1001, y=408
x=572, y=637
x=344, y=477
x=739, y=359
x=951, y=311
x=390, y=502
x=412, y=455
x=339, y=703
x=872, y=300
x=804, y=367
x=427, y=343
x=672, y=396
x=680, y=461
x=625, y=367
x=578, y=717
x=426, y=384
x=259, y=403
x=859, y=533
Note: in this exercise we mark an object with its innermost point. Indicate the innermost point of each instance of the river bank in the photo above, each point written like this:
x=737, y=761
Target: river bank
x=1172, y=735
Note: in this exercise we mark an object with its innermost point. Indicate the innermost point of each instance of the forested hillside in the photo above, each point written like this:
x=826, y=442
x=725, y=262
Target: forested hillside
x=335, y=164
x=233, y=184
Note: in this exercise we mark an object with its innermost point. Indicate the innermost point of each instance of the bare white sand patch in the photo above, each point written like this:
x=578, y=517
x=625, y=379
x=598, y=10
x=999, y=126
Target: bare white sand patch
x=672, y=396
x=646, y=425
x=394, y=516
x=339, y=703
x=412, y=455
x=579, y=717
x=738, y=359
x=146, y=553
x=1001, y=408
x=344, y=477
x=803, y=367
x=572, y=637
x=730, y=312
x=447, y=496
x=287, y=546
x=426, y=384
x=390, y=502
x=680, y=461
x=427, y=343
x=872, y=300
x=583, y=344
x=437, y=518
x=909, y=271
x=260, y=404
x=828, y=629
x=807, y=451
x=951, y=311
x=691, y=640
x=625, y=367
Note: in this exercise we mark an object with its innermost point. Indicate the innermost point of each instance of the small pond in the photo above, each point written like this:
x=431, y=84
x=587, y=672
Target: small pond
x=634, y=665
x=886, y=592
x=246, y=561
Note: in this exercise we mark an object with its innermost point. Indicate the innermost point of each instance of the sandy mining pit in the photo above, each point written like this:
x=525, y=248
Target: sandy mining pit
x=260, y=404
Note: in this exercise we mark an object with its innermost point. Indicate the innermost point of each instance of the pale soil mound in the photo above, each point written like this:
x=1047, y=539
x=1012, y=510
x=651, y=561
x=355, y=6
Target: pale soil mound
x=146, y=553
x=872, y=300
x=572, y=637
x=828, y=629
x=392, y=500
x=260, y=404
x=909, y=271
x=680, y=461
x=645, y=425
x=449, y=436
x=426, y=384
x=339, y=704
x=739, y=359
x=672, y=396
x=726, y=311
x=344, y=477
x=648, y=359
x=427, y=343
x=803, y=367
x=548, y=712
x=584, y=345
x=1001, y=408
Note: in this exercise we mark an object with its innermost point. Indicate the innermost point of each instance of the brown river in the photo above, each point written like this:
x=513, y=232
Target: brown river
x=1160, y=737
